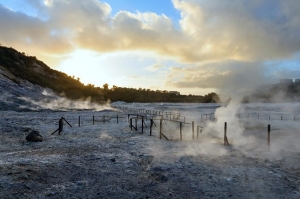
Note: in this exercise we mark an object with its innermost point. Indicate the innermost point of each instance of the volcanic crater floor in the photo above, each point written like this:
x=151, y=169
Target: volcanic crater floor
x=111, y=161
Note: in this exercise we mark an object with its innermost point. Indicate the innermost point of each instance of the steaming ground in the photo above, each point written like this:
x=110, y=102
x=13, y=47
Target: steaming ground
x=20, y=95
x=108, y=160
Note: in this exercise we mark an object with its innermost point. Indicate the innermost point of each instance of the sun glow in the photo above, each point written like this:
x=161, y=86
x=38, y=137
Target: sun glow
x=122, y=69
x=90, y=67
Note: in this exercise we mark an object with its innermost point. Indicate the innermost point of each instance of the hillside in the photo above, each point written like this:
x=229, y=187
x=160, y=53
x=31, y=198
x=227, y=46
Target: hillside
x=36, y=72
x=19, y=69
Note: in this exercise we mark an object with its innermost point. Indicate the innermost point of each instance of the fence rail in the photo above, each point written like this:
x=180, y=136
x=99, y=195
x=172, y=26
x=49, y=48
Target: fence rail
x=265, y=116
x=167, y=117
x=166, y=125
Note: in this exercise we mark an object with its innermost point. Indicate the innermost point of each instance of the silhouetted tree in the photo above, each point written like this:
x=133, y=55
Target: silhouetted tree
x=105, y=87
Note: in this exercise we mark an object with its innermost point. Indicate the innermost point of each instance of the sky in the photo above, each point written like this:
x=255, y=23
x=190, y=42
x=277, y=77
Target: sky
x=191, y=46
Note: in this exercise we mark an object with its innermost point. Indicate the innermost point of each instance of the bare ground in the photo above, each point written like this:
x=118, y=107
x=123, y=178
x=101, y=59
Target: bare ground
x=110, y=161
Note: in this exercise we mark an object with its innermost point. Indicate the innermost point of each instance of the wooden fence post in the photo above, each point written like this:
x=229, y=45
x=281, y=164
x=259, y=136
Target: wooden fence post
x=225, y=134
x=180, y=131
x=136, y=119
x=151, y=124
x=130, y=123
x=193, y=130
x=225, y=131
x=269, y=134
x=60, y=125
x=142, y=124
x=160, y=128
x=198, y=131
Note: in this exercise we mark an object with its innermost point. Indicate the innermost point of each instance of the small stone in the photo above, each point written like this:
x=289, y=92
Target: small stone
x=51, y=193
x=34, y=136
x=131, y=143
x=24, y=177
x=81, y=183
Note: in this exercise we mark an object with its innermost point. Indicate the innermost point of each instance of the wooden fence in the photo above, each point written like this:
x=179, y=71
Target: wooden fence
x=142, y=120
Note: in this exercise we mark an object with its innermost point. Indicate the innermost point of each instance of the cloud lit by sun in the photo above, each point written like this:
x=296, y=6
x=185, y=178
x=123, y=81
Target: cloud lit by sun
x=91, y=40
x=48, y=2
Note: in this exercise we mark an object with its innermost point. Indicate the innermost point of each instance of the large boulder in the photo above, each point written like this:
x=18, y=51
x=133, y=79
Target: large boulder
x=34, y=136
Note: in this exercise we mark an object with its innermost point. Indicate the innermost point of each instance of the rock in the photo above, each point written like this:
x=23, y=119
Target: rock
x=81, y=183
x=131, y=143
x=34, y=136
x=159, y=177
x=51, y=193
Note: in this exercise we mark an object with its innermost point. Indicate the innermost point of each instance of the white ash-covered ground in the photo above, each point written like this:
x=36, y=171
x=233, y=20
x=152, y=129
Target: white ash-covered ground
x=108, y=160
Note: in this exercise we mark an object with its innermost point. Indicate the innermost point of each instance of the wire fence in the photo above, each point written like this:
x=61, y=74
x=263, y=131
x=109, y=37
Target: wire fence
x=266, y=116
x=163, y=124
x=176, y=128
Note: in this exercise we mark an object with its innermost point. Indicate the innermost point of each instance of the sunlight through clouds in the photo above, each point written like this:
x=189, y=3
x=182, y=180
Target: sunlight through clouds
x=213, y=33
x=120, y=68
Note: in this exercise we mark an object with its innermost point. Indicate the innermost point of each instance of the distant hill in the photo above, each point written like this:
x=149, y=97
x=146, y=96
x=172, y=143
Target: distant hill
x=18, y=68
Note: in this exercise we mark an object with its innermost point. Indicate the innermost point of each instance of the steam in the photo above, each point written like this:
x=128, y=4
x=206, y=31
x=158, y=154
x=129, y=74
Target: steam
x=54, y=102
x=247, y=136
x=235, y=127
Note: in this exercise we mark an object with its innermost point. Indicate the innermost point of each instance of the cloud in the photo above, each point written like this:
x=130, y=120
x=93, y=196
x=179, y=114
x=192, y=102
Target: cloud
x=227, y=76
x=287, y=74
x=227, y=41
x=239, y=30
x=154, y=67
x=22, y=30
x=209, y=30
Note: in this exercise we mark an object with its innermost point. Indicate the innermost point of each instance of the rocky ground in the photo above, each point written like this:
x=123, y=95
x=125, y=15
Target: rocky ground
x=110, y=161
